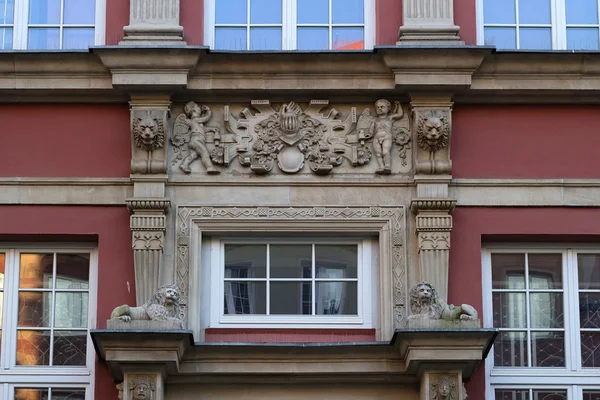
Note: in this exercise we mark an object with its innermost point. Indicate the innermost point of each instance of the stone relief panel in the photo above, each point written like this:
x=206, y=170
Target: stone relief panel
x=291, y=138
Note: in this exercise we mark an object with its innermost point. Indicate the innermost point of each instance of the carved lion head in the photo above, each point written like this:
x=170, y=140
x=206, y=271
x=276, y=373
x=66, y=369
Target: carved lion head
x=433, y=130
x=167, y=295
x=148, y=132
x=424, y=299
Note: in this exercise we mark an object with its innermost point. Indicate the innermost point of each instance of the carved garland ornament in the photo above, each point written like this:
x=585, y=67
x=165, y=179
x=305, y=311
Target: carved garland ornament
x=393, y=215
x=290, y=137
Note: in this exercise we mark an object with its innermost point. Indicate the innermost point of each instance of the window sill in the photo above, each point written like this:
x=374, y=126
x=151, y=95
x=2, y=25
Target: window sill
x=289, y=335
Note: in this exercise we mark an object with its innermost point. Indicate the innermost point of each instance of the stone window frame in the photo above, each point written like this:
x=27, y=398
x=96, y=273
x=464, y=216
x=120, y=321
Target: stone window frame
x=21, y=24
x=557, y=24
x=289, y=25
x=388, y=223
x=44, y=377
x=572, y=378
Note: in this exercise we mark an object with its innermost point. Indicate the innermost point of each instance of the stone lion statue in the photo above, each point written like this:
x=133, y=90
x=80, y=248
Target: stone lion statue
x=425, y=303
x=148, y=132
x=163, y=306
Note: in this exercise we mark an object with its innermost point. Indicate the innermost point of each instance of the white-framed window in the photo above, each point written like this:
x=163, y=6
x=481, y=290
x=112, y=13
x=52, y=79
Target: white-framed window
x=270, y=282
x=51, y=24
x=47, y=303
x=289, y=24
x=546, y=303
x=539, y=24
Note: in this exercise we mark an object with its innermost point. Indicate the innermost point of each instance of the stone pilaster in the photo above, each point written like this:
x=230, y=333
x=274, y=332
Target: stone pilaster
x=153, y=22
x=428, y=22
x=438, y=385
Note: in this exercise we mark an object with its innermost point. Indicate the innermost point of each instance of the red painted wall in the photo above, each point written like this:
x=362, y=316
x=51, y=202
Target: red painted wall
x=465, y=16
x=553, y=141
x=115, y=258
x=117, y=16
x=192, y=20
x=472, y=224
x=60, y=140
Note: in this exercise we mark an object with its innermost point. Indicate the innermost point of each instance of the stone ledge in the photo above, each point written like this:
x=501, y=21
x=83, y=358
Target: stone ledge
x=443, y=324
x=142, y=325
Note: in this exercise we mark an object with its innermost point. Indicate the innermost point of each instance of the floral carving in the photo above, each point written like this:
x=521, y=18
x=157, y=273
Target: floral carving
x=148, y=131
x=433, y=130
x=152, y=240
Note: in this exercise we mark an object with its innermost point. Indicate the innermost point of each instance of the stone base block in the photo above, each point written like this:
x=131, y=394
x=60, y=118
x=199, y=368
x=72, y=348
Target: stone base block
x=443, y=324
x=429, y=35
x=152, y=35
x=142, y=325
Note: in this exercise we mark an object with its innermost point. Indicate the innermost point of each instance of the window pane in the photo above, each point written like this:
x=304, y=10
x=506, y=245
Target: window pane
x=499, y=12
x=336, y=261
x=43, y=39
x=265, y=11
x=68, y=394
x=502, y=38
x=245, y=261
x=545, y=394
x=534, y=12
x=589, y=310
x=33, y=348
x=545, y=271
x=313, y=39
x=288, y=260
x=69, y=347
x=547, y=349
x=2, y=266
x=536, y=38
x=35, y=271
x=6, y=38
x=31, y=394
x=72, y=270
x=71, y=310
x=245, y=298
x=230, y=38
x=347, y=11
x=265, y=39
x=78, y=38
x=508, y=271
x=509, y=310
x=347, y=39
x=588, y=266
x=546, y=310
x=79, y=11
x=582, y=11
x=44, y=11
x=336, y=298
x=591, y=395
x=230, y=12
x=590, y=349
x=313, y=12
x=508, y=394
x=34, y=309
x=510, y=349
x=7, y=11
x=287, y=298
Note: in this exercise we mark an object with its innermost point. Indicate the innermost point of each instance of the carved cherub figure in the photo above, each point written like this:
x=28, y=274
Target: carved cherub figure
x=192, y=121
x=381, y=131
x=444, y=389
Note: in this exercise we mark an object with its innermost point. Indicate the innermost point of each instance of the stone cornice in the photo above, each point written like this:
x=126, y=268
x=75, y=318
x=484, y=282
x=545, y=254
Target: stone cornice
x=468, y=73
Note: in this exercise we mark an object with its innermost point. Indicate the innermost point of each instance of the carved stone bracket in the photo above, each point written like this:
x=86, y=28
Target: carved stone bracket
x=432, y=121
x=428, y=22
x=148, y=225
x=153, y=22
x=148, y=132
x=433, y=226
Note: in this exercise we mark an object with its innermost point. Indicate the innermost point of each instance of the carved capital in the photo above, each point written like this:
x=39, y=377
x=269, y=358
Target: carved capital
x=432, y=124
x=148, y=205
x=423, y=205
x=428, y=22
x=148, y=135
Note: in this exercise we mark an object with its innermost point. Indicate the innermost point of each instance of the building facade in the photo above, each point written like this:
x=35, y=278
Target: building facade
x=268, y=181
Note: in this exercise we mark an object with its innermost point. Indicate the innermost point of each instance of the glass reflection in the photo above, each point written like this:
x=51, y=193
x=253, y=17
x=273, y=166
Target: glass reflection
x=35, y=271
x=534, y=12
x=313, y=39
x=498, y=12
x=347, y=11
x=230, y=12
x=7, y=11
x=588, y=266
x=265, y=11
x=31, y=394
x=43, y=39
x=313, y=12
x=347, y=39
x=79, y=12
x=502, y=38
x=44, y=11
x=33, y=348
x=265, y=38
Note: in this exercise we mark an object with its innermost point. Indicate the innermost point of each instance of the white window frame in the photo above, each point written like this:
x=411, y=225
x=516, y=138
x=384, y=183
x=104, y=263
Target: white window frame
x=21, y=25
x=558, y=22
x=289, y=25
x=364, y=318
x=56, y=377
x=572, y=378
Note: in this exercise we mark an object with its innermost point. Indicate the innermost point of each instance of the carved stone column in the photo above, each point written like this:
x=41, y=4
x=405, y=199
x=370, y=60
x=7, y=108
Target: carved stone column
x=442, y=385
x=153, y=22
x=142, y=386
x=428, y=22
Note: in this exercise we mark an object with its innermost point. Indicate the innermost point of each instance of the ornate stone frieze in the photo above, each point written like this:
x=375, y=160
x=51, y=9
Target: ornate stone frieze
x=290, y=137
x=148, y=122
x=432, y=121
x=393, y=259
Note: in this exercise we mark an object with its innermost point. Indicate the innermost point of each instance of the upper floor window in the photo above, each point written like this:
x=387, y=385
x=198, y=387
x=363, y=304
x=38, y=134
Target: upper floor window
x=51, y=24
x=546, y=304
x=540, y=24
x=290, y=24
x=46, y=310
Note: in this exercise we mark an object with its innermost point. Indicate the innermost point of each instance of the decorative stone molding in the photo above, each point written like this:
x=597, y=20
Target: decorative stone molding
x=147, y=223
x=148, y=132
x=268, y=139
x=433, y=227
x=432, y=121
x=386, y=221
x=428, y=22
x=153, y=22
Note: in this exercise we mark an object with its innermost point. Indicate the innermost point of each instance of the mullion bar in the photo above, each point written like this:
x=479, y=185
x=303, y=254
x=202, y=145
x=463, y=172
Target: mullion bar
x=248, y=48
x=313, y=284
x=527, y=307
x=268, y=277
x=53, y=303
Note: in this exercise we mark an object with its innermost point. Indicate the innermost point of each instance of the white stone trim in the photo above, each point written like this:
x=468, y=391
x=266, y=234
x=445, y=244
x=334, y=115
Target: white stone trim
x=388, y=222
